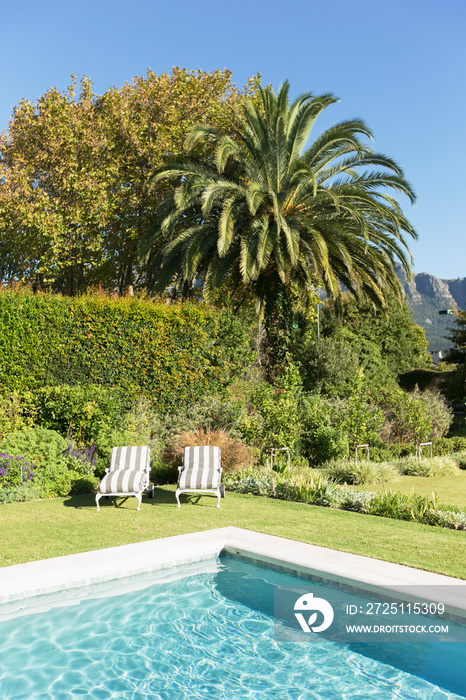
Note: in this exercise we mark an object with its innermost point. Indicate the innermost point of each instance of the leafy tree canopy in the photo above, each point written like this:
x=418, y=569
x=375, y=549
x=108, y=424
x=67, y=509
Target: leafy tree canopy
x=379, y=337
x=73, y=169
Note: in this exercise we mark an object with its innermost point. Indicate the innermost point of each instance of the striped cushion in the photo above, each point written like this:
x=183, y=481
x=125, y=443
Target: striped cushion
x=130, y=458
x=124, y=481
x=201, y=468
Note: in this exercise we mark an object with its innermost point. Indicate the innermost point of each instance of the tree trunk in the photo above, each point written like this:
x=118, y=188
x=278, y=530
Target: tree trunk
x=278, y=325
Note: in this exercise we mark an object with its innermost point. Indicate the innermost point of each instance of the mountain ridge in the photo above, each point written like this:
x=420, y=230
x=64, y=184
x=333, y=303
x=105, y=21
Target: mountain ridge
x=426, y=296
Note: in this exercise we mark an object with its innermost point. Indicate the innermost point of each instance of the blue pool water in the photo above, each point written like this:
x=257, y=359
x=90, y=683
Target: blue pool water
x=201, y=636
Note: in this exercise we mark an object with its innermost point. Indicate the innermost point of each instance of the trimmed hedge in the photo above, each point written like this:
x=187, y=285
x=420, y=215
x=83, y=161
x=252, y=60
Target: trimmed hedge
x=172, y=353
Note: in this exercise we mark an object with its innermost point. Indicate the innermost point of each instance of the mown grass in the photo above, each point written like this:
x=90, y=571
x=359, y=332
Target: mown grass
x=55, y=527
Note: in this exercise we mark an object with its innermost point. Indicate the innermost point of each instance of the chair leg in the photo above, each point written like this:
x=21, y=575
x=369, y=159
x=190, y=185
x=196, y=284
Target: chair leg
x=177, y=496
x=97, y=499
x=139, y=497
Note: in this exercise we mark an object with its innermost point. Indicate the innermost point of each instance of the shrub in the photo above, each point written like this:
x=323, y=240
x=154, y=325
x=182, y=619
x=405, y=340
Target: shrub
x=83, y=485
x=251, y=427
x=439, y=412
x=323, y=436
x=447, y=445
x=299, y=463
x=42, y=446
x=390, y=453
x=328, y=366
x=58, y=466
x=364, y=421
x=54, y=480
x=357, y=501
x=456, y=385
x=312, y=487
x=213, y=413
x=79, y=411
x=350, y=472
x=450, y=519
x=16, y=413
x=304, y=488
x=390, y=505
x=279, y=408
x=416, y=416
x=325, y=442
x=415, y=507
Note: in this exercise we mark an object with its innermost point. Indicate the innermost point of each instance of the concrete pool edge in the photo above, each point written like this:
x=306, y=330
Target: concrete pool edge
x=46, y=576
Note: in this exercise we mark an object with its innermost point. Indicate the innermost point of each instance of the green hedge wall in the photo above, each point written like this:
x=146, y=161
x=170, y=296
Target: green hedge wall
x=172, y=353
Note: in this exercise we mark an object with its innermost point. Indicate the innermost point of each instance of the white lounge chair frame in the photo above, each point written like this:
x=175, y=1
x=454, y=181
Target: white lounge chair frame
x=200, y=472
x=126, y=465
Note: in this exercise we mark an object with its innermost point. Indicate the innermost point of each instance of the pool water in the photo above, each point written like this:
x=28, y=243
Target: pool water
x=202, y=636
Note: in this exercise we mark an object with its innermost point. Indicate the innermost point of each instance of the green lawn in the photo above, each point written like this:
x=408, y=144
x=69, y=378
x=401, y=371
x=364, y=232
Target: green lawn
x=59, y=526
x=449, y=489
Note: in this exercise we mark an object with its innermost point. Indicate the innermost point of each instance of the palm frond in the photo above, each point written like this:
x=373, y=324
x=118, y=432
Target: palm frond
x=262, y=206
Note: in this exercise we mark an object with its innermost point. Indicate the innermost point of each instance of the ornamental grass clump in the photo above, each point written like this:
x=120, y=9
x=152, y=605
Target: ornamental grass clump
x=391, y=505
x=434, y=466
x=364, y=472
x=460, y=458
x=235, y=454
x=312, y=487
x=303, y=488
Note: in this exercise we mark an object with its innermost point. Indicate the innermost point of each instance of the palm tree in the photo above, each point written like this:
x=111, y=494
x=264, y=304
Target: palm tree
x=265, y=212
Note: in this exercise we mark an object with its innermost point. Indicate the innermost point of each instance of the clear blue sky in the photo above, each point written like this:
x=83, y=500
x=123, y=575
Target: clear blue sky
x=398, y=64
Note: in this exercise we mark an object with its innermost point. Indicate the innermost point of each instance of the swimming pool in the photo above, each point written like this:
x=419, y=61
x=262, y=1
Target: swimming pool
x=195, y=633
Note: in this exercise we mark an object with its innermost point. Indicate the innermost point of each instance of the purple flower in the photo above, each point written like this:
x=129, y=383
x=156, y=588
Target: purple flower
x=14, y=470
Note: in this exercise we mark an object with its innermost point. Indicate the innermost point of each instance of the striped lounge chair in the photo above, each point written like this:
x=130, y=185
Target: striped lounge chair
x=200, y=472
x=128, y=474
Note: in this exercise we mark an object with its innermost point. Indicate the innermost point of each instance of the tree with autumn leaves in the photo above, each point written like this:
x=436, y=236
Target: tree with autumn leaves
x=73, y=172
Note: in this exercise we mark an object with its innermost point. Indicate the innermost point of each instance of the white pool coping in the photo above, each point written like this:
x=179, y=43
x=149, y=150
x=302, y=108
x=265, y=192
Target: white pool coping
x=47, y=576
